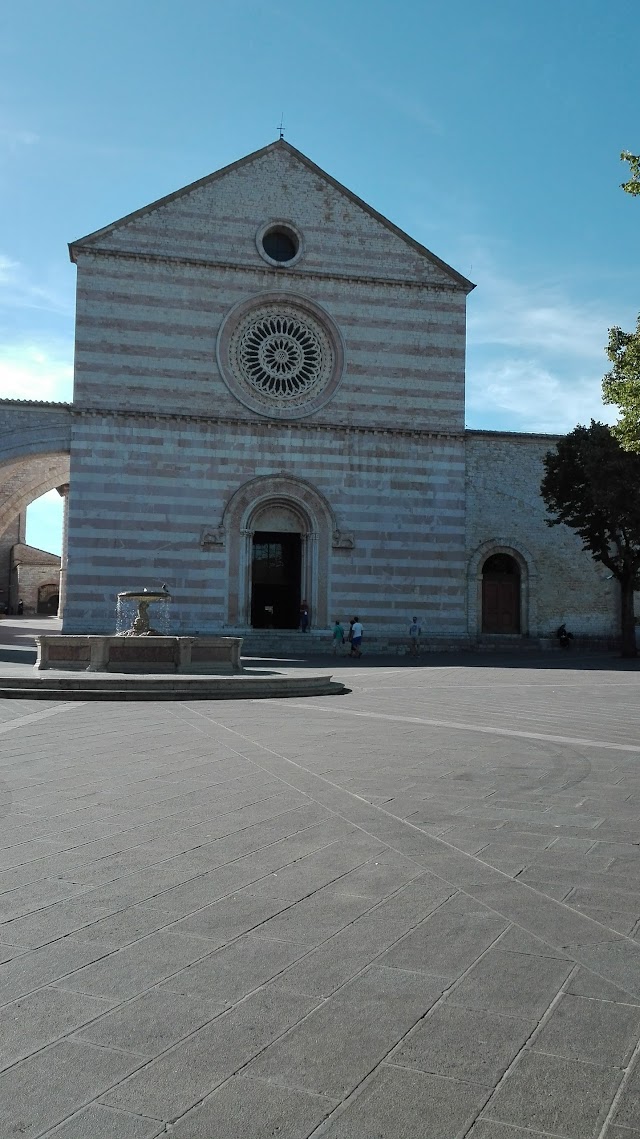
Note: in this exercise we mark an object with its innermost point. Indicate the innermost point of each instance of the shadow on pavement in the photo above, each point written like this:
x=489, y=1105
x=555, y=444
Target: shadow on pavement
x=576, y=661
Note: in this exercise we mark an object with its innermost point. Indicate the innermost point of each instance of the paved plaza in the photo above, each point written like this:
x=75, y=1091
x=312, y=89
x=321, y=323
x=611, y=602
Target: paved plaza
x=409, y=911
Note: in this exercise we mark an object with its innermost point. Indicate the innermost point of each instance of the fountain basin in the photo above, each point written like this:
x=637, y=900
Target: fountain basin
x=102, y=653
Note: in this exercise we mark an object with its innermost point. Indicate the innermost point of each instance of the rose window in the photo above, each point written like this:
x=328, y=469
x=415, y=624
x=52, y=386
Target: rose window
x=280, y=355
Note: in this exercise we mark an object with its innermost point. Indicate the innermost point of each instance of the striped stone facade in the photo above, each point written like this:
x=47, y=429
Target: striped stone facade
x=173, y=472
x=381, y=515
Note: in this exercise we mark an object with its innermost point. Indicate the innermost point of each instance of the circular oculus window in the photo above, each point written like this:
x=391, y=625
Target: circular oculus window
x=279, y=244
x=280, y=357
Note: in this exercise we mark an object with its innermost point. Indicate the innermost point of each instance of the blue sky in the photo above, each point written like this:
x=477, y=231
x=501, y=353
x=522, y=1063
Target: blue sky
x=491, y=132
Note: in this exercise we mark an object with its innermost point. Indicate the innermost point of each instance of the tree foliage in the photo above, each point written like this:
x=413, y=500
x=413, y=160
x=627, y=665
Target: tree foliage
x=622, y=384
x=592, y=484
x=633, y=185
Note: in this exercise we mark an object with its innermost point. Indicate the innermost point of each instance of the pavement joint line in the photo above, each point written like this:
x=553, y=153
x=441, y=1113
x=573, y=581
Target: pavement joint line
x=35, y=717
x=521, y=715
x=199, y=909
x=75, y=1032
x=44, y=836
x=438, y=840
x=51, y=1132
x=169, y=858
x=526, y=1047
x=79, y=810
x=164, y=982
x=168, y=889
x=485, y=729
x=258, y=751
x=628, y=1073
x=169, y=1127
x=479, y=687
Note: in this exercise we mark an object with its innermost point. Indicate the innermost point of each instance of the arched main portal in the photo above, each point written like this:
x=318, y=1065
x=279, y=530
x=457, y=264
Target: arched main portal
x=278, y=532
x=501, y=595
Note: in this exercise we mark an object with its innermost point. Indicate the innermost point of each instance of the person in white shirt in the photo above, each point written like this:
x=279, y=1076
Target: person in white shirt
x=356, y=637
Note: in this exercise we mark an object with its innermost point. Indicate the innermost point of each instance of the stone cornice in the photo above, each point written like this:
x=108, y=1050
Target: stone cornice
x=310, y=427
x=290, y=278
x=217, y=420
x=59, y=405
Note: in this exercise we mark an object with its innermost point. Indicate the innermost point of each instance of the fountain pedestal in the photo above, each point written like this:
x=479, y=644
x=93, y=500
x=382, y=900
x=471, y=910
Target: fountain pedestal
x=97, y=653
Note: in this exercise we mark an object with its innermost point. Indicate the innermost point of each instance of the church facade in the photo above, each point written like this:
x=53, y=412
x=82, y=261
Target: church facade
x=269, y=411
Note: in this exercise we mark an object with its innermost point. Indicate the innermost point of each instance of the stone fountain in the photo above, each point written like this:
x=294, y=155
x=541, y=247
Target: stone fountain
x=140, y=626
x=139, y=648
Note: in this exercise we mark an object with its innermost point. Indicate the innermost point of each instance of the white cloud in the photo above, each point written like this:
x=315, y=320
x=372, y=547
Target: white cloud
x=521, y=394
x=536, y=354
x=15, y=136
x=7, y=269
x=18, y=290
x=31, y=371
x=540, y=317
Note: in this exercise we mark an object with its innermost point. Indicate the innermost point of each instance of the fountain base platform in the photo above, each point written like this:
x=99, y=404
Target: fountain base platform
x=218, y=656
x=101, y=686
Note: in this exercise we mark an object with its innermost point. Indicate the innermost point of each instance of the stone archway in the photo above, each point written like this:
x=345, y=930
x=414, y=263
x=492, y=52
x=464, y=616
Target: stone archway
x=24, y=480
x=278, y=503
x=35, y=441
x=525, y=621
x=500, y=595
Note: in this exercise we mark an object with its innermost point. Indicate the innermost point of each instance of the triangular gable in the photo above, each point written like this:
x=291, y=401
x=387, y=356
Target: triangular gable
x=215, y=218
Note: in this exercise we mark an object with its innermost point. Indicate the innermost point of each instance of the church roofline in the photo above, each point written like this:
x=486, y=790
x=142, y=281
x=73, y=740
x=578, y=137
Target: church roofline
x=496, y=433
x=76, y=246
x=36, y=549
x=10, y=401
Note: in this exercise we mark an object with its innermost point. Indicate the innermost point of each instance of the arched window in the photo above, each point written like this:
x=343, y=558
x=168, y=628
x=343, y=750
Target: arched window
x=501, y=595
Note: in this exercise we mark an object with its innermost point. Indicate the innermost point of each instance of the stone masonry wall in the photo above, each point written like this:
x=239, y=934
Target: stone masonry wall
x=505, y=510
x=153, y=293
x=31, y=569
x=142, y=490
x=15, y=532
x=146, y=339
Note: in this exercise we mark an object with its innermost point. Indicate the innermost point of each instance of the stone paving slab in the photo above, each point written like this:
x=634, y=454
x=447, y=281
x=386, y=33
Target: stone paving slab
x=410, y=911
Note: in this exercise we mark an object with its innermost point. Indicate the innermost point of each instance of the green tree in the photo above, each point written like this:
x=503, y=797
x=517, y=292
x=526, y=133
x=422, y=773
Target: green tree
x=592, y=484
x=633, y=185
x=622, y=384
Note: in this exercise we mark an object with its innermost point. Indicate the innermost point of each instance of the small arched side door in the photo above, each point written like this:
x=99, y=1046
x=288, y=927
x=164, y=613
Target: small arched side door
x=501, y=595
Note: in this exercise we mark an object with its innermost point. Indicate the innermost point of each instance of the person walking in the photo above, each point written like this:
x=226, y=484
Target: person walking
x=356, y=637
x=414, y=635
x=338, y=636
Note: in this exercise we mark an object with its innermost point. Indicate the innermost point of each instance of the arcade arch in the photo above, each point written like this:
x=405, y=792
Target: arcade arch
x=23, y=481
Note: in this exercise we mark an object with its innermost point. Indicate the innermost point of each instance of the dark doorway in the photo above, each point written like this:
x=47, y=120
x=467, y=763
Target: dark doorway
x=275, y=580
x=501, y=595
x=48, y=599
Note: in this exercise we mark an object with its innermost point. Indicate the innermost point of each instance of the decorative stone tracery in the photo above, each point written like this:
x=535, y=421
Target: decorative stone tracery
x=283, y=355
x=280, y=355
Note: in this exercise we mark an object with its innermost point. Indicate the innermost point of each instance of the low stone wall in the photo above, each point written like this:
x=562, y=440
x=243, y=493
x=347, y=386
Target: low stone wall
x=95, y=653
